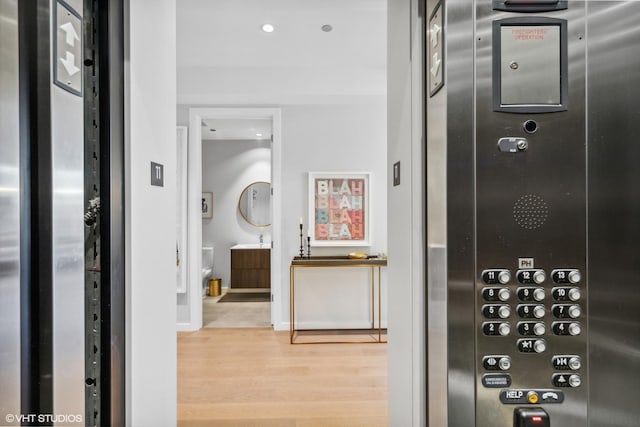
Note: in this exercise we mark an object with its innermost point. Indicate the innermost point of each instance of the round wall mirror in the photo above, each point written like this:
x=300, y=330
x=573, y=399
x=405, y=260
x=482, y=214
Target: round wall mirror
x=255, y=204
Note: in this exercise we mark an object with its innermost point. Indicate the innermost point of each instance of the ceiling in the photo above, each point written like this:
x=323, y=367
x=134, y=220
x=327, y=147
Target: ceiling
x=224, y=58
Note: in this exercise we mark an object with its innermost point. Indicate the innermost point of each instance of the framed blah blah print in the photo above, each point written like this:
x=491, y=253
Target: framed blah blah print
x=339, y=213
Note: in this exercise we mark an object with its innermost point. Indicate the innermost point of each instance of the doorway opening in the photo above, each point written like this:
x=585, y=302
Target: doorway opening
x=222, y=231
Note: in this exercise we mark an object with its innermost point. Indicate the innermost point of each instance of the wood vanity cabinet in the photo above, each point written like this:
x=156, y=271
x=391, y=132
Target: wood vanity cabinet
x=250, y=268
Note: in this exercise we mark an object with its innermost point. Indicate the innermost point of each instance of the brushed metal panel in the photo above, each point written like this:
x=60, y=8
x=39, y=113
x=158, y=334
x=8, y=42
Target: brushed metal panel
x=531, y=204
x=67, y=112
x=9, y=214
x=614, y=209
x=436, y=226
x=530, y=73
x=459, y=83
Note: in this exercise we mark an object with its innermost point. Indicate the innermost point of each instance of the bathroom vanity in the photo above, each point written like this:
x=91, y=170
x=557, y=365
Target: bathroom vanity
x=251, y=266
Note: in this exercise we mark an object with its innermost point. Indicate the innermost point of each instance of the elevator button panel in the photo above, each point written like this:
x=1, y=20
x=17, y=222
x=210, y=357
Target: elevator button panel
x=533, y=319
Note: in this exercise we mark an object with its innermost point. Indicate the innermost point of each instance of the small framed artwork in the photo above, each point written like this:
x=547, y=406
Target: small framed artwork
x=207, y=205
x=339, y=213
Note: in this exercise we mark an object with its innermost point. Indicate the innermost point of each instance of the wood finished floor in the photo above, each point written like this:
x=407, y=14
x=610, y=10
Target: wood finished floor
x=253, y=377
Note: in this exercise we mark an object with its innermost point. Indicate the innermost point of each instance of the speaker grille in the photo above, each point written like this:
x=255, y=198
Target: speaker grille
x=530, y=211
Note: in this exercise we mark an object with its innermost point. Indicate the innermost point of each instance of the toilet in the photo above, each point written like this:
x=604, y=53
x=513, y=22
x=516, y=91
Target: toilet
x=207, y=267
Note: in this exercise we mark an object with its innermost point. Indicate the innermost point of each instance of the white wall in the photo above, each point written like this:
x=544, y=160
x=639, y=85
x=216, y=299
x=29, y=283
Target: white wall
x=407, y=395
x=347, y=137
x=150, y=213
x=227, y=168
x=331, y=138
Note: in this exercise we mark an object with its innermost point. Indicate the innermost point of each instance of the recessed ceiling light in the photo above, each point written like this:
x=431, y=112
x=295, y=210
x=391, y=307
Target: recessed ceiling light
x=326, y=28
x=258, y=134
x=268, y=28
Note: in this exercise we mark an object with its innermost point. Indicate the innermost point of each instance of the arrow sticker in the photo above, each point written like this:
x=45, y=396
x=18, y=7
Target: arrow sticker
x=435, y=68
x=70, y=64
x=71, y=34
x=435, y=35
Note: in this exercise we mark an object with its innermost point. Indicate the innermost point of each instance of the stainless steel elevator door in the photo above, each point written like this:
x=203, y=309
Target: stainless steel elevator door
x=9, y=215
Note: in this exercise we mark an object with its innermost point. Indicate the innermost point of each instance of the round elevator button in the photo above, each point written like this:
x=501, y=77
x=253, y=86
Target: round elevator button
x=539, y=311
x=574, y=276
x=504, y=294
x=575, y=329
x=539, y=329
x=538, y=294
x=574, y=311
x=539, y=346
x=504, y=277
x=539, y=276
x=504, y=311
x=574, y=294
x=533, y=397
x=575, y=363
x=504, y=329
x=575, y=380
x=505, y=363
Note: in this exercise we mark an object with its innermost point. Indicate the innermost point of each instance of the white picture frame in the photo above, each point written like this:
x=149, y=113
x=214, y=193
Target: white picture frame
x=339, y=208
x=207, y=205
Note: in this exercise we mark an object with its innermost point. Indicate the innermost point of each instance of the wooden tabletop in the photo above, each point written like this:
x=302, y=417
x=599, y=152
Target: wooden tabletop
x=337, y=261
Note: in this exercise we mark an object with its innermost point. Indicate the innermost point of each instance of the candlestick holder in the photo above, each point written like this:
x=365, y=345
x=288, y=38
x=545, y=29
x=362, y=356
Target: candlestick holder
x=308, y=246
x=301, y=243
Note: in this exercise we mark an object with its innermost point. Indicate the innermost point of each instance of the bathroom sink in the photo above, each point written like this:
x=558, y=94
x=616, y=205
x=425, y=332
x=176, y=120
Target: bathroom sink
x=266, y=245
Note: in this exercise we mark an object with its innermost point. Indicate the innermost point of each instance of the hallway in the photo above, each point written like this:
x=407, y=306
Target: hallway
x=236, y=377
